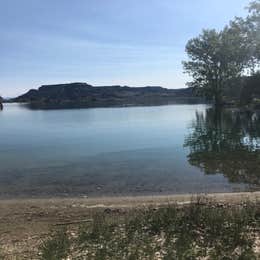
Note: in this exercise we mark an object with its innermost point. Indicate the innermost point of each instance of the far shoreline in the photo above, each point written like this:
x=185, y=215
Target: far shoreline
x=128, y=200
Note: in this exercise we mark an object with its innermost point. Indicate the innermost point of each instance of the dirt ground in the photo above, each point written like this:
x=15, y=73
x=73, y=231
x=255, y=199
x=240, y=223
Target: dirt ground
x=24, y=223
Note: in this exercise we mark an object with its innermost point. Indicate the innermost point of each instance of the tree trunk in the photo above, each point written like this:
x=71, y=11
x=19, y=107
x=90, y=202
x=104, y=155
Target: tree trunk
x=218, y=100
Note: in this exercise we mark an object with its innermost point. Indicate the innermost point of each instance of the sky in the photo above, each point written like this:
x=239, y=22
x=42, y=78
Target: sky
x=102, y=42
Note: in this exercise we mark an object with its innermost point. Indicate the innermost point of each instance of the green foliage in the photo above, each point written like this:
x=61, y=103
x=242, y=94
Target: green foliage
x=56, y=247
x=218, y=58
x=202, y=229
x=1, y=254
x=251, y=89
x=215, y=59
x=253, y=28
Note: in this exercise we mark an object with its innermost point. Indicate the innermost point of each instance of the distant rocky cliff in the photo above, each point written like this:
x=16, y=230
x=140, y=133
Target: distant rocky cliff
x=78, y=95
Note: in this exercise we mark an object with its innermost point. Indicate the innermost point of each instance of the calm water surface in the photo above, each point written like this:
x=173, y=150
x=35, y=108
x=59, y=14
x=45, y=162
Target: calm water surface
x=127, y=151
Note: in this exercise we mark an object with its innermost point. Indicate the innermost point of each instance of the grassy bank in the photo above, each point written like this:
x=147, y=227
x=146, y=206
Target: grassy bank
x=202, y=229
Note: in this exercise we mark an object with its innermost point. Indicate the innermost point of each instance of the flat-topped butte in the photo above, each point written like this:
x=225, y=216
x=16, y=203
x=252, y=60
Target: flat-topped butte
x=79, y=95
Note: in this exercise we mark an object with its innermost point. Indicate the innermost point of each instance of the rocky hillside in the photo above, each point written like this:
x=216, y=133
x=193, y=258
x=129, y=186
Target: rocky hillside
x=77, y=95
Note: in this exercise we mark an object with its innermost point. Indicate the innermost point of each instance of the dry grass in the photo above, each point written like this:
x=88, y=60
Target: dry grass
x=202, y=229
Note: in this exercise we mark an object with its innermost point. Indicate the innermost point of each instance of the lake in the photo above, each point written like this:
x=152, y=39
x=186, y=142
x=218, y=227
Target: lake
x=127, y=151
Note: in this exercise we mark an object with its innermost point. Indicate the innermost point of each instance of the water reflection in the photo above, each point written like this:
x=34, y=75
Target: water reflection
x=226, y=142
x=119, y=151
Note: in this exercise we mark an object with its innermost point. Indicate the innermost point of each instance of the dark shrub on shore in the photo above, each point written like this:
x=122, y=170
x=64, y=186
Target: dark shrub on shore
x=251, y=90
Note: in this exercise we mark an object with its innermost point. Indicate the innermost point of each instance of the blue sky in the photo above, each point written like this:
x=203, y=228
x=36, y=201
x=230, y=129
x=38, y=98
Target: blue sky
x=102, y=42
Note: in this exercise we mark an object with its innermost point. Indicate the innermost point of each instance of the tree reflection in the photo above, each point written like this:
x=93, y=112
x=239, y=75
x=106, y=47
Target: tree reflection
x=226, y=142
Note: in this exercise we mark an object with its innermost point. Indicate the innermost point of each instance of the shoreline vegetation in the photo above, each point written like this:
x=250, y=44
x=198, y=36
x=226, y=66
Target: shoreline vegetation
x=157, y=227
x=225, y=64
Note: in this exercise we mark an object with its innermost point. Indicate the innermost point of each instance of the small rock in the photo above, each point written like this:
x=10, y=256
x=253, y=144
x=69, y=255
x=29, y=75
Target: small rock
x=108, y=210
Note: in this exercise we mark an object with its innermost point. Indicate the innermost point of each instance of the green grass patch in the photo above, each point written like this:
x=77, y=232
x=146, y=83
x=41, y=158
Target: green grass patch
x=200, y=229
x=57, y=246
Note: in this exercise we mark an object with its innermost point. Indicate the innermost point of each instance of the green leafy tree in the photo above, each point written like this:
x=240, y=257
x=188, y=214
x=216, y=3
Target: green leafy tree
x=249, y=29
x=215, y=59
x=252, y=25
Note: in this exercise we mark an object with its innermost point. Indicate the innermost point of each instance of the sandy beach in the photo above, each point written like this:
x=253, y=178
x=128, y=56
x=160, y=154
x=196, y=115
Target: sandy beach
x=24, y=223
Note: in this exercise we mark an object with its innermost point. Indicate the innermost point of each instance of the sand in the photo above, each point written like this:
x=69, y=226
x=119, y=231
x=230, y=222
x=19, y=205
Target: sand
x=24, y=223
